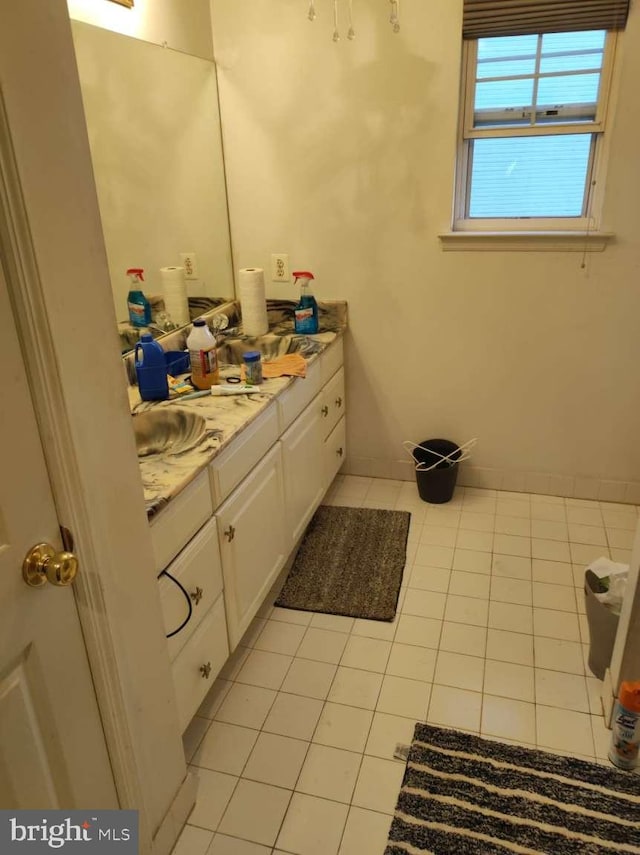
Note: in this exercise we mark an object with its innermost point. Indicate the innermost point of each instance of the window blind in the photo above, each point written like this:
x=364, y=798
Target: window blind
x=489, y=18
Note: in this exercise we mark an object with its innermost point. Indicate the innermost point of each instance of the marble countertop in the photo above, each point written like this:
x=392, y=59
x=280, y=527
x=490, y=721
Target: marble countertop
x=164, y=476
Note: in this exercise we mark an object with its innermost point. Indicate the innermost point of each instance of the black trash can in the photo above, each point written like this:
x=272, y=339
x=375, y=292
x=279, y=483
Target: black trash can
x=603, y=626
x=436, y=485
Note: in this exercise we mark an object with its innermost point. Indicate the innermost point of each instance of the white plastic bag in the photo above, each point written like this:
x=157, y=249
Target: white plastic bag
x=615, y=576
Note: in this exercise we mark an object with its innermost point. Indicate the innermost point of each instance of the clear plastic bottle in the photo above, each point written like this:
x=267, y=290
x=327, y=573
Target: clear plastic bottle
x=203, y=357
x=253, y=367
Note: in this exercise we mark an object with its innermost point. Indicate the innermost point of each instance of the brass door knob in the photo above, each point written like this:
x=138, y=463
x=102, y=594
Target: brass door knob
x=196, y=595
x=325, y=411
x=43, y=564
x=205, y=670
x=230, y=533
x=338, y=402
x=340, y=452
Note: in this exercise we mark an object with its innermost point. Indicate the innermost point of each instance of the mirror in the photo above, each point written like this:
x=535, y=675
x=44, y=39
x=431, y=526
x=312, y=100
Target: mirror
x=154, y=131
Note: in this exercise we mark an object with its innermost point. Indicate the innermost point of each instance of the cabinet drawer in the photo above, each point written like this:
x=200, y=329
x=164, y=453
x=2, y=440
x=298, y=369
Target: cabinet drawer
x=199, y=571
x=332, y=405
x=199, y=662
x=331, y=360
x=303, y=390
x=245, y=452
x=174, y=527
x=335, y=450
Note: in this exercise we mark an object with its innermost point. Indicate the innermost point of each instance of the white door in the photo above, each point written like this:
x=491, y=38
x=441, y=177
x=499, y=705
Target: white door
x=52, y=748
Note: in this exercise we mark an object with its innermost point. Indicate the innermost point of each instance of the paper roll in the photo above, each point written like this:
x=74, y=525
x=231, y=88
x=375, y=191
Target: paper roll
x=253, y=301
x=174, y=290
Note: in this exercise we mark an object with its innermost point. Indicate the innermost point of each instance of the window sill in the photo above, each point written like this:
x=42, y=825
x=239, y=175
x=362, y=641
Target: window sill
x=525, y=241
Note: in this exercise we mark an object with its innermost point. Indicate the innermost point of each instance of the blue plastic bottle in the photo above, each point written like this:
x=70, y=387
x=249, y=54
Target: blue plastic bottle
x=305, y=315
x=151, y=369
x=137, y=304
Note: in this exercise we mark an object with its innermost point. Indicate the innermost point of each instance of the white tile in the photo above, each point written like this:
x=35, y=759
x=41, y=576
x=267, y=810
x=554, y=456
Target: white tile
x=264, y=669
x=505, y=590
x=443, y=516
x=343, y=727
x=278, y=637
x=294, y=716
x=365, y=831
x=511, y=566
x=564, y=729
x=322, y=645
x=481, y=541
x=550, y=550
x=559, y=689
x=291, y=616
x=251, y=635
x=468, y=610
x=508, y=680
x=591, y=534
x=329, y=773
x=477, y=521
x=510, y=544
x=192, y=737
x=577, y=515
x=622, y=556
x=247, y=706
x=416, y=663
x=436, y=535
x=619, y=518
x=584, y=554
x=558, y=597
x=225, y=748
x=312, y=826
x=463, y=638
x=620, y=538
x=552, y=572
x=310, y=679
x=369, y=654
x=553, y=654
x=513, y=508
x=549, y=530
x=508, y=718
x=459, y=671
x=225, y=845
x=470, y=584
x=520, y=526
x=382, y=629
x=276, y=760
x=455, y=708
x=434, y=556
x=214, y=698
x=193, y=841
x=510, y=617
x=424, y=603
x=388, y=731
x=553, y=624
x=213, y=791
x=401, y=696
x=234, y=663
x=515, y=647
x=594, y=691
x=546, y=511
x=424, y=632
x=472, y=561
x=263, y=804
x=378, y=785
x=429, y=578
x=601, y=737
x=356, y=688
x=335, y=623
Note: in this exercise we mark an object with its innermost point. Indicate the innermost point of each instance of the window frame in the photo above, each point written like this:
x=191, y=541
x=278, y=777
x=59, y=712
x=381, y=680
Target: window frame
x=599, y=129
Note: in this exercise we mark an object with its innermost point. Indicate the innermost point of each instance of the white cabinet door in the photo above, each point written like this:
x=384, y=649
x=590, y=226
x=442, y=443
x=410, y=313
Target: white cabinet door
x=302, y=463
x=252, y=543
x=335, y=449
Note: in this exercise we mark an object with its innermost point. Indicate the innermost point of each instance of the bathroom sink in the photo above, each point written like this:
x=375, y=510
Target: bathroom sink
x=271, y=346
x=167, y=431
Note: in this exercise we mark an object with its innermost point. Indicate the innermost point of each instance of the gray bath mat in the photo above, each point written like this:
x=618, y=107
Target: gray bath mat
x=350, y=562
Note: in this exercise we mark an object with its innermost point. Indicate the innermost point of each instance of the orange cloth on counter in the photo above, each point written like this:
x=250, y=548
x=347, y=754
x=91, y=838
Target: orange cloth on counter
x=290, y=365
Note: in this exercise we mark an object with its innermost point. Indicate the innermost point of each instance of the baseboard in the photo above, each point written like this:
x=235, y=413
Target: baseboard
x=171, y=826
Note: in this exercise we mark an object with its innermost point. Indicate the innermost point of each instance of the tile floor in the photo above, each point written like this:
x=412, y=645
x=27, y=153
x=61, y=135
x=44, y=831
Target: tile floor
x=293, y=747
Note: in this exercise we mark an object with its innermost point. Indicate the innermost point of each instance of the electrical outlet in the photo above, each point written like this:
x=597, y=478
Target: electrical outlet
x=190, y=264
x=280, y=267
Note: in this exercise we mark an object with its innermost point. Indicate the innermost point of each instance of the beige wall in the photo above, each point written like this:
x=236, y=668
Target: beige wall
x=181, y=24
x=343, y=155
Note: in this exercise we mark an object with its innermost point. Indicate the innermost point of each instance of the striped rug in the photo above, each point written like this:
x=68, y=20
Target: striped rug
x=470, y=796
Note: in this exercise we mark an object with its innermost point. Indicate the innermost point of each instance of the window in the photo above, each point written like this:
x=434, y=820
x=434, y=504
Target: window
x=531, y=131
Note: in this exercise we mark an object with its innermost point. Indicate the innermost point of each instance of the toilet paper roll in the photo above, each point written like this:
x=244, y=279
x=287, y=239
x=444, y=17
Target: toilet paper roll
x=174, y=290
x=253, y=301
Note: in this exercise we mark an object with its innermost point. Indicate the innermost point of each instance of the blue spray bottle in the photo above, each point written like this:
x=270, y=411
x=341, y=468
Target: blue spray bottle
x=137, y=304
x=306, y=312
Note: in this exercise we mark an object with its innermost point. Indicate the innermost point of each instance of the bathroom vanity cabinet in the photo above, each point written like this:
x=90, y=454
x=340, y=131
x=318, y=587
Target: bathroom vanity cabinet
x=229, y=533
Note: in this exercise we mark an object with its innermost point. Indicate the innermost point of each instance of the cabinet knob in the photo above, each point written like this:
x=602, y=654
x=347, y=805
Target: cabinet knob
x=338, y=402
x=340, y=451
x=196, y=595
x=205, y=670
x=230, y=533
x=325, y=411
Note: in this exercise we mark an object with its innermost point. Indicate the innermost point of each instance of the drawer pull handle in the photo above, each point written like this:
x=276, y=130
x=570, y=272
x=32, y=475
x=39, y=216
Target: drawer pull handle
x=340, y=451
x=325, y=411
x=230, y=533
x=205, y=670
x=338, y=402
x=196, y=595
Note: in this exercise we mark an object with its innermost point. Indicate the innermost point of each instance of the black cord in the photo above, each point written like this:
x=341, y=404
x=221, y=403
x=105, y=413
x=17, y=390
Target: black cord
x=187, y=597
